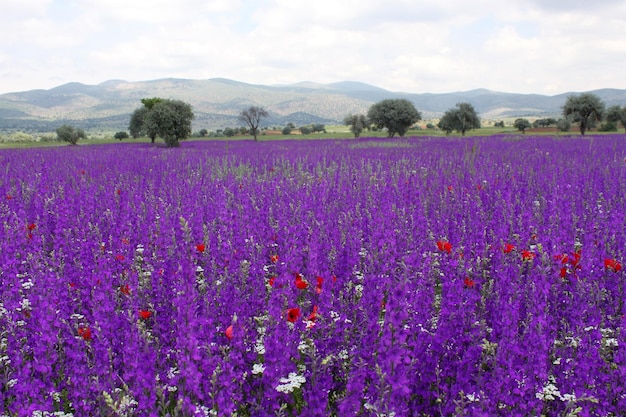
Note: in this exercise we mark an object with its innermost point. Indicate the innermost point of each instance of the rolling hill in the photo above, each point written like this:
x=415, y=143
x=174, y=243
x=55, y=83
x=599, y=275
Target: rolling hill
x=217, y=102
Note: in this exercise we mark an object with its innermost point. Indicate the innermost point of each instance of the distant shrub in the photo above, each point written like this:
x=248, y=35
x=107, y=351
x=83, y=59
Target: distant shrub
x=121, y=135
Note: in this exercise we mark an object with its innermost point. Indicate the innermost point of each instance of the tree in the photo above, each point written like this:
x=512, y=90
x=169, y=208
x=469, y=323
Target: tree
x=305, y=130
x=584, y=109
x=522, y=124
x=318, y=127
x=140, y=125
x=229, y=132
x=203, y=133
x=396, y=115
x=462, y=118
x=357, y=123
x=617, y=114
x=121, y=135
x=171, y=120
x=564, y=125
x=70, y=134
x=286, y=130
x=252, y=117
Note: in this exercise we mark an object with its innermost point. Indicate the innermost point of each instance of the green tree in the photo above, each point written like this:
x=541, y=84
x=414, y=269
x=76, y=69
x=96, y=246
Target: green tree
x=357, y=123
x=229, y=132
x=305, y=130
x=141, y=125
x=396, y=115
x=617, y=114
x=564, y=125
x=203, y=133
x=462, y=118
x=252, y=117
x=318, y=127
x=171, y=120
x=585, y=109
x=70, y=134
x=522, y=124
x=286, y=130
x=121, y=135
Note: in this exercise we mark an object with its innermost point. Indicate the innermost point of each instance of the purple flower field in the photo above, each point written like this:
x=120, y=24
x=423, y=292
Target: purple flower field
x=372, y=277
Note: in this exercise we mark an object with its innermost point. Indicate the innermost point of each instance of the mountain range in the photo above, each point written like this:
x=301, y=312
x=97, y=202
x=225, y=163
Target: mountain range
x=217, y=102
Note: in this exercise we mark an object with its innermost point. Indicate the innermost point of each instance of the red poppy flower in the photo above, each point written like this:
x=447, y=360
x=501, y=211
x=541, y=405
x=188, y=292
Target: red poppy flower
x=200, y=247
x=313, y=315
x=508, y=248
x=125, y=289
x=612, y=265
x=31, y=226
x=528, y=255
x=300, y=283
x=120, y=257
x=293, y=314
x=468, y=282
x=271, y=281
x=229, y=332
x=9, y=196
x=450, y=188
x=125, y=241
x=118, y=191
x=575, y=260
x=274, y=259
x=85, y=333
x=562, y=257
x=318, y=286
x=145, y=314
x=563, y=272
x=444, y=246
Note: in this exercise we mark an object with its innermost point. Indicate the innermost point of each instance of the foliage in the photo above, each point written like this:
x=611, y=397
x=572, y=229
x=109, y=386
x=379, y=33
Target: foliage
x=521, y=124
x=121, y=135
x=499, y=124
x=305, y=130
x=286, y=130
x=608, y=127
x=395, y=115
x=252, y=117
x=563, y=125
x=585, y=109
x=357, y=123
x=617, y=114
x=318, y=127
x=70, y=134
x=141, y=125
x=461, y=119
x=414, y=277
x=203, y=133
x=544, y=122
x=171, y=120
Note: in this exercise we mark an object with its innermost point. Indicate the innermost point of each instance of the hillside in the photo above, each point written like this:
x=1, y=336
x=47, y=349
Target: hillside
x=216, y=102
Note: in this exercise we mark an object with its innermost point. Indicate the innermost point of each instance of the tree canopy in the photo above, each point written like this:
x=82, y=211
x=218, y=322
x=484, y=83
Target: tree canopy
x=168, y=119
x=252, y=117
x=395, y=115
x=357, y=123
x=461, y=118
x=585, y=109
x=70, y=134
x=617, y=114
x=522, y=124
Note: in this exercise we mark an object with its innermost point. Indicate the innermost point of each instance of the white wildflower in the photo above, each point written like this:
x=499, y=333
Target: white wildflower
x=27, y=285
x=258, y=368
x=550, y=392
x=291, y=382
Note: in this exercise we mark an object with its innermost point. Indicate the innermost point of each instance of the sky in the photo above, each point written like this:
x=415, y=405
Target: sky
x=519, y=46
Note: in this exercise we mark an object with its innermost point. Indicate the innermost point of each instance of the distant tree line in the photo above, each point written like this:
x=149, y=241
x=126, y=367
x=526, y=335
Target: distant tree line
x=171, y=120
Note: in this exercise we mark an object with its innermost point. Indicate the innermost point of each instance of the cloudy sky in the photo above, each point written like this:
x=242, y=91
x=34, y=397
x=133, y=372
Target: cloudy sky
x=526, y=46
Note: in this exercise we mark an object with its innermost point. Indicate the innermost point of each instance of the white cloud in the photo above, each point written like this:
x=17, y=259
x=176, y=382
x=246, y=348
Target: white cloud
x=401, y=45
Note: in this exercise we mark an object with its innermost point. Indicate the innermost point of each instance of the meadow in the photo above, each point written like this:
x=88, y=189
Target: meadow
x=423, y=276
